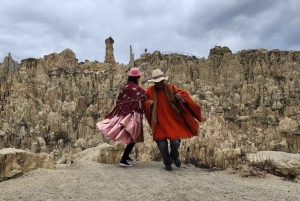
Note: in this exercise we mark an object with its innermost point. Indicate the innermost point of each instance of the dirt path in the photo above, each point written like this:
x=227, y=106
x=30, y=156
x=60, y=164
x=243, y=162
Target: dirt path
x=143, y=181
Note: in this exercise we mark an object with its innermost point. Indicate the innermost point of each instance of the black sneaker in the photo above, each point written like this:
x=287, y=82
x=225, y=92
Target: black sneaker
x=125, y=163
x=168, y=167
x=129, y=159
x=177, y=162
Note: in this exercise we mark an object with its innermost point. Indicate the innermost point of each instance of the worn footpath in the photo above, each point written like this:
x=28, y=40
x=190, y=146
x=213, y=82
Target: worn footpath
x=143, y=181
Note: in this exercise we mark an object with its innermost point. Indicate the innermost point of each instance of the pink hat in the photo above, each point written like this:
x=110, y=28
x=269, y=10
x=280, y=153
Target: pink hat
x=134, y=72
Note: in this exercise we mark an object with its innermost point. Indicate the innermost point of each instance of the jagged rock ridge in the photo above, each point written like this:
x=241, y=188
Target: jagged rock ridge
x=250, y=100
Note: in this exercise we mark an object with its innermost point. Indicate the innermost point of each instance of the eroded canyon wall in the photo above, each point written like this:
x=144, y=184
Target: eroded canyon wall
x=250, y=101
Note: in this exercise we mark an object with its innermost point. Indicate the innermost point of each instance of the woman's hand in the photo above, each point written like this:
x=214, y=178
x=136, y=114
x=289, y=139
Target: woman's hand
x=178, y=97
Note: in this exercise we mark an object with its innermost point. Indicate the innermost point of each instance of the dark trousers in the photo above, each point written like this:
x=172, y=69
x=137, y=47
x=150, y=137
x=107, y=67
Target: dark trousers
x=127, y=151
x=164, y=150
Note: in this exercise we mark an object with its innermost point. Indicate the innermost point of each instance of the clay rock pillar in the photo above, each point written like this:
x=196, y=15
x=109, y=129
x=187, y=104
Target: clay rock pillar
x=131, y=62
x=109, y=54
x=9, y=64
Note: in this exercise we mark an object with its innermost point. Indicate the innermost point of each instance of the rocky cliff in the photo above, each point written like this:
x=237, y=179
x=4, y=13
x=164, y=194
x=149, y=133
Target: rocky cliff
x=251, y=102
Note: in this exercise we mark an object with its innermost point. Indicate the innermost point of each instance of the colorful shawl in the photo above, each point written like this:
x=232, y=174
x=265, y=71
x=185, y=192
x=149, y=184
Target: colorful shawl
x=128, y=100
x=169, y=123
x=172, y=101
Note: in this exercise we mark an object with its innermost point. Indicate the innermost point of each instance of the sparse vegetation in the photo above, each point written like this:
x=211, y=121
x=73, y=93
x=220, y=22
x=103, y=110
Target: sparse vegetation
x=259, y=168
x=61, y=135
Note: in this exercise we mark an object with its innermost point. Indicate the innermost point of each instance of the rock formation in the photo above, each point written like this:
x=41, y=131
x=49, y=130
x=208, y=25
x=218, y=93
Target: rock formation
x=15, y=162
x=8, y=66
x=131, y=56
x=109, y=54
x=251, y=102
x=282, y=163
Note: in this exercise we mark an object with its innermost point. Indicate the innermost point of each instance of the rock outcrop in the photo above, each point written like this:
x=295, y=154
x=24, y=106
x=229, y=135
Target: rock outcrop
x=281, y=163
x=103, y=153
x=8, y=66
x=15, y=162
x=109, y=53
x=251, y=102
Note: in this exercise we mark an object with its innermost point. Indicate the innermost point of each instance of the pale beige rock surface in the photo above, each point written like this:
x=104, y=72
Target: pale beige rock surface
x=16, y=162
x=250, y=99
x=285, y=164
x=143, y=181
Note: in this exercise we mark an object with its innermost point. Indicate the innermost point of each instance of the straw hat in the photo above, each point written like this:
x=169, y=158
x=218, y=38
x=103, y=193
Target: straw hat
x=158, y=75
x=134, y=72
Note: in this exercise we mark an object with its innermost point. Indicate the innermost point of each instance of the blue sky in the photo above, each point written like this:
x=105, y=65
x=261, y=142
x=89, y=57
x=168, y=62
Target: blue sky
x=34, y=28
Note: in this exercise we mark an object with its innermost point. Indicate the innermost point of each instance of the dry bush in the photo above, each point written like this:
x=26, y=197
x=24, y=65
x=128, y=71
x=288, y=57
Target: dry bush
x=246, y=168
x=264, y=165
x=62, y=135
x=156, y=156
x=196, y=161
x=208, y=163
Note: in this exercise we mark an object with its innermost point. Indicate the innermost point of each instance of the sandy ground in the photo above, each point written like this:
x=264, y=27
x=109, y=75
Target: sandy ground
x=144, y=181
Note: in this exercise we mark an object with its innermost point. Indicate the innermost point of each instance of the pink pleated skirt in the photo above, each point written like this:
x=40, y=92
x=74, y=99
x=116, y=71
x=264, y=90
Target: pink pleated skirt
x=126, y=129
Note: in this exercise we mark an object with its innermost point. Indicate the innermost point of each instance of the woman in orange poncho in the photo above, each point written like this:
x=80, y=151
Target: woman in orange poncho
x=165, y=118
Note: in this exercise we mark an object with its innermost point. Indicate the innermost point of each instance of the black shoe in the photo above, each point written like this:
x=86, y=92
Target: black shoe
x=125, y=163
x=168, y=167
x=129, y=159
x=177, y=162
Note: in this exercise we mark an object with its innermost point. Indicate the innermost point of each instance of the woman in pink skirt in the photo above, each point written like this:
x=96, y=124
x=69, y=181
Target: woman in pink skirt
x=124, y=123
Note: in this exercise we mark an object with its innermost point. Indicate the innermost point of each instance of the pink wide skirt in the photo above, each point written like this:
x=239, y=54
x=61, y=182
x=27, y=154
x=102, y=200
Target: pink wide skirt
x=126, y=129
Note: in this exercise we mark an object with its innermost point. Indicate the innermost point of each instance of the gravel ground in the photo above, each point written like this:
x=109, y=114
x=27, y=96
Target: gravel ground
x=144, y=181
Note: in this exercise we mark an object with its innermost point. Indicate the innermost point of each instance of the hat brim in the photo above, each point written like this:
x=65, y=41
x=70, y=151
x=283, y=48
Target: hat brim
x=136, y=75
x=159, y=79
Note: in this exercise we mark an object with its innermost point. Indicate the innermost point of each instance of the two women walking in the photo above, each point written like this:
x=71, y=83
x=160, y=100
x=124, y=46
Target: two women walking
x=158, y=103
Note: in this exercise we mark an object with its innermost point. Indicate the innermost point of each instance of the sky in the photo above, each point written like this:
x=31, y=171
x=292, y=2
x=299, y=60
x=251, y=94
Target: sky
x=34, y=28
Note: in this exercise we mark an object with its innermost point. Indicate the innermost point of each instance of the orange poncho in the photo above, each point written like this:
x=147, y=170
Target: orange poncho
x=169, y=124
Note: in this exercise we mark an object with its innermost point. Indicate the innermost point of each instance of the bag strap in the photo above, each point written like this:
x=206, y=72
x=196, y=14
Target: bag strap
x=172, y=99
x=174, y=90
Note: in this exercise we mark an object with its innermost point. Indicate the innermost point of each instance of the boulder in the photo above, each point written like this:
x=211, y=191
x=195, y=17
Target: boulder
x=15, y=162
x=103, y=153
x=284, y=164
